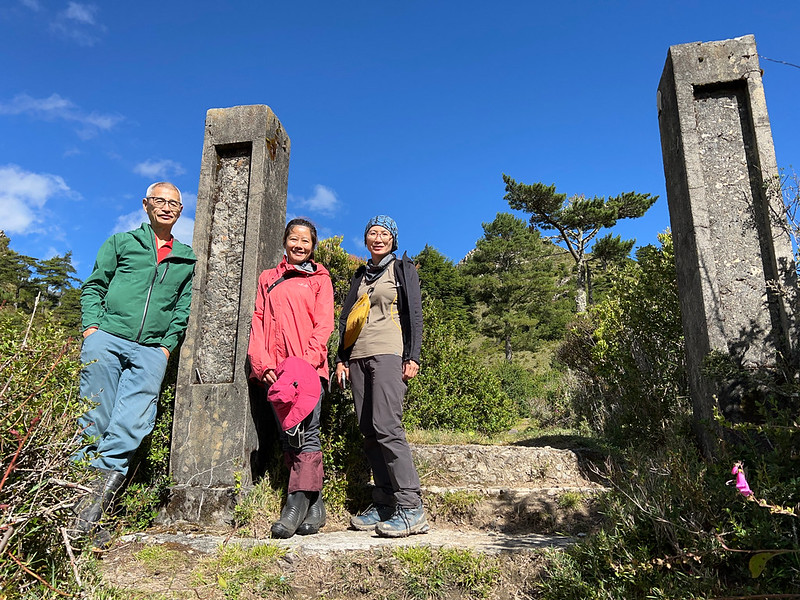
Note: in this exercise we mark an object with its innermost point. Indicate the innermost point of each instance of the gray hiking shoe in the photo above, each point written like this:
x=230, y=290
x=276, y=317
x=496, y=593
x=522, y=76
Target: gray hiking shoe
x=404, y=522
x=367, y=520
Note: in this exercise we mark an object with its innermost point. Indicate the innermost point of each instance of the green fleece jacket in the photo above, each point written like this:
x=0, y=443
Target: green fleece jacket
x=131, y=295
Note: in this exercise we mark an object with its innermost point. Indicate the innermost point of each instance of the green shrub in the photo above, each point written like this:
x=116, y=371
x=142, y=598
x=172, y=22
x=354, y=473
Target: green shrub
x=543, y=397
x=453, y=389
x=675, y=527
x=346, y=470
x=39, y=402
x=628, y=354
x=519, y=384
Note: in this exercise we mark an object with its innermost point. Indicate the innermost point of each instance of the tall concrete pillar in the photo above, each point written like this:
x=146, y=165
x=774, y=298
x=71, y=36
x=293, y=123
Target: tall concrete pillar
x=736, y=274
x=241, y=212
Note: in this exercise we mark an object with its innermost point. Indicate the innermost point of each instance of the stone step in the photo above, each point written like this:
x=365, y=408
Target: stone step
x=493, y=467
x=514, y=493
x=543, y=510
x=336, y=564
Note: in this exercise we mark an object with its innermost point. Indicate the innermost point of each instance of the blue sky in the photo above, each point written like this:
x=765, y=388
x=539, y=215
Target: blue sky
x=412, y=109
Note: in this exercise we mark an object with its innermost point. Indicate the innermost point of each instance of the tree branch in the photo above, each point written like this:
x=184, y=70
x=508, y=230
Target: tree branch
x=71, y=555
x=30, y=322
x=39, y=577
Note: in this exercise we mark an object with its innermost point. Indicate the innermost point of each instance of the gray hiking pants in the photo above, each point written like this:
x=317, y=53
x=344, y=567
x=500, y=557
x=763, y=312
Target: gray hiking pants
x=378, y=391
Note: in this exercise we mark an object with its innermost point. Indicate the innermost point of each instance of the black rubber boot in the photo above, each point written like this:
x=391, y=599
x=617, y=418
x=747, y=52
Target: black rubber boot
x=315, y=518
x=94, y=505
x=101, y=539
x=293, y=513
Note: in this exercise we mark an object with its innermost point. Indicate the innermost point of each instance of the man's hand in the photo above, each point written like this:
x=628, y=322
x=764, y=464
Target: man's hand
x=89, y=331
x=410, y=370
x=165, y=351
x=340, y=371
x=269, y=377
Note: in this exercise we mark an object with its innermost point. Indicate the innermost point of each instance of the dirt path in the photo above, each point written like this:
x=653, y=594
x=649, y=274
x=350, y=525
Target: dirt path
x=325, y=543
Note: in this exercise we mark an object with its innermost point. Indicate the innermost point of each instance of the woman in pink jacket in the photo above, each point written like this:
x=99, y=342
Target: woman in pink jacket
x=294, y=317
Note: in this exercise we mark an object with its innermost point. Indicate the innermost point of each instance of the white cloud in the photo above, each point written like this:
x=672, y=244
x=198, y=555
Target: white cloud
x=358, y=242
x=32, y=4
x=23, y=195
x=82, y=13
x=55, y=107
x=99, y=121
x=324, y=201
x=184, y=230
x=159, y=169
x=78, y=23
x=129, y=221
x=189, y=202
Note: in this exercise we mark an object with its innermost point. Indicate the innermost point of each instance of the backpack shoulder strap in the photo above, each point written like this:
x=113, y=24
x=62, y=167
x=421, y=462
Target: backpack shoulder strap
x=284, y=277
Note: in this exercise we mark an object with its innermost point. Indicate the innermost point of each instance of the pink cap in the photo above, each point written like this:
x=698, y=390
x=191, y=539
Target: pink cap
x=296, y=391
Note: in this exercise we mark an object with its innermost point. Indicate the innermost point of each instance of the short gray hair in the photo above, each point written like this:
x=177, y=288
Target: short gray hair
x=151, y=189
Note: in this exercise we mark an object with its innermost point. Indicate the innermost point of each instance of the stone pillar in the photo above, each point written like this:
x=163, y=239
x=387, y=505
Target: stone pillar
x=732, y=248
x=241, y=213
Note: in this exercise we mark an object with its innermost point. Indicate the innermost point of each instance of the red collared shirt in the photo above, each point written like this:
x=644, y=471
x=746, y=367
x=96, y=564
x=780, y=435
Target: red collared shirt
x=163, y=251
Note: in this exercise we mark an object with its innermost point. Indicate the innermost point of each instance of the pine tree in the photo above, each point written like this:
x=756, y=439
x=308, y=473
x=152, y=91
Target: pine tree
x=16, y=275
x=440, y=279
x=515, y=280
x=55, y=276
x=578, y=220
x=23, y=277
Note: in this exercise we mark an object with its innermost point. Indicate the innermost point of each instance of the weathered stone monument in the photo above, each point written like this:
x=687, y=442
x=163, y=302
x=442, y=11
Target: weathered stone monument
x=241, y=211
x=736, y=274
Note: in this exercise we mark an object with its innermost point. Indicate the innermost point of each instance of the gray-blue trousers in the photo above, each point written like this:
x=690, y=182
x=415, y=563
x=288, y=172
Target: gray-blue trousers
x=124, y=378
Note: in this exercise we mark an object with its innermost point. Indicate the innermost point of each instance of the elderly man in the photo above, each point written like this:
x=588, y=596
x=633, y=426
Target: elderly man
x=135, y=306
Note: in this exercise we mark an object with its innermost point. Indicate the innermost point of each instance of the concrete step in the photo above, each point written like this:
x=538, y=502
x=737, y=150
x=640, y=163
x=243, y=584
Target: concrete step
x=566, y=510
x=494, y=467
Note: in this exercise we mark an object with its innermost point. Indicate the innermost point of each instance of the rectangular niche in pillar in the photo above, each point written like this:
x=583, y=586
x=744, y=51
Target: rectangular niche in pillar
x=216, y=355
x=738, y=220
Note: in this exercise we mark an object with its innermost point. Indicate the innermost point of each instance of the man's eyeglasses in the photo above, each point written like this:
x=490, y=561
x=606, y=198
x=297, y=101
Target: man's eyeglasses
x=384, y=235
x=158, y=202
